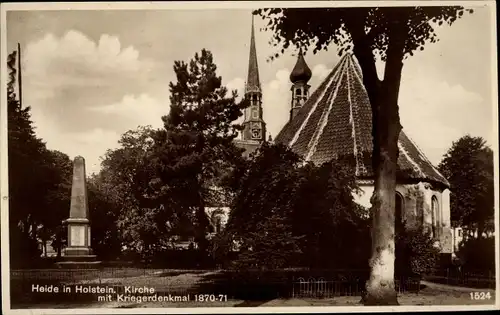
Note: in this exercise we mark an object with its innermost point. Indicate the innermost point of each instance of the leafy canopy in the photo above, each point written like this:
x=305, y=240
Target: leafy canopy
x=319, y=27
x=468, y=165
x=286, y=214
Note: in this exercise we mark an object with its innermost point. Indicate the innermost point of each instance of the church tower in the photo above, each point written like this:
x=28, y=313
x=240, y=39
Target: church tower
x=301, y=74
x=254, y=125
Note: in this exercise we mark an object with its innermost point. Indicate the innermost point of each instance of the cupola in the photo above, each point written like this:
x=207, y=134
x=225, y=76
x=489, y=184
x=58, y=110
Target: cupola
x=301, y=71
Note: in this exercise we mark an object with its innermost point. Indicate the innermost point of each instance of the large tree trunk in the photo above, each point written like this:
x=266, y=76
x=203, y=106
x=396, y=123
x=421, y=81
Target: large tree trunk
x=380, y=288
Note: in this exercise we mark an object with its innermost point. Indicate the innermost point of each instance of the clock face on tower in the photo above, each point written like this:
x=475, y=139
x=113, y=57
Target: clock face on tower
x=256, y=131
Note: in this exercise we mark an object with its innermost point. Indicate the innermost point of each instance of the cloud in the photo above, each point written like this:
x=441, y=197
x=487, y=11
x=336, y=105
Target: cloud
x=436, y=113
x=276, y=101
x=277, y=96
x=91, y=144
x=63, y=75
x=132, y=111
x=85, y=93
x=73, y=56
x=321, y=71
x=237, y=84
x=142, y=109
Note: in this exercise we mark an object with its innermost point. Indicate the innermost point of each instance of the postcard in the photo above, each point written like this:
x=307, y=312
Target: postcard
x=229, y=157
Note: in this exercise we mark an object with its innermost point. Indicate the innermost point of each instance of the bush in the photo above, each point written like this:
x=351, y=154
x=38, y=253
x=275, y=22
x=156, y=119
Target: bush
x=416, y=254
x=477, y=254
x=26, y=252
x=287, y=214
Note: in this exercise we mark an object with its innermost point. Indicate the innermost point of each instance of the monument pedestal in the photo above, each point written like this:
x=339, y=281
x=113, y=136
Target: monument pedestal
x=78, y=254
x=78, y=237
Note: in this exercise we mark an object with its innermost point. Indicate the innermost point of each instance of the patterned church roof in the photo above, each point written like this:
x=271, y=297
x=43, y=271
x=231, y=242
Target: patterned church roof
x=336, y=121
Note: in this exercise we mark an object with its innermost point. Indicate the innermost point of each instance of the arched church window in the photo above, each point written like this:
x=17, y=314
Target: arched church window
x=298, y=92
x=435, y=216
x=399, y=213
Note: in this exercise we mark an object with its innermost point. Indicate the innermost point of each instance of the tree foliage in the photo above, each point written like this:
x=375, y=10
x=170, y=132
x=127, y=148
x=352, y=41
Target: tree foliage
x=286, y=214
x=468, y=166
x=416, y=254
x=104, y=214
x=37, y=181
x=161, y=181
x=469, y=250
x=345, y=27
x=196, y=148
x=59, y=200
x=118, y=198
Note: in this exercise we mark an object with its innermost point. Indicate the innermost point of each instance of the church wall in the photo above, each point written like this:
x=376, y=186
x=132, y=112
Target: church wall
x=447, y=239
x=364, y=195
x=417, y=208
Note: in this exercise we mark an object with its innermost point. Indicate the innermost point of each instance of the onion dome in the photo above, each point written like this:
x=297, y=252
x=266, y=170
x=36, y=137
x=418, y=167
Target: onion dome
x=301, y=71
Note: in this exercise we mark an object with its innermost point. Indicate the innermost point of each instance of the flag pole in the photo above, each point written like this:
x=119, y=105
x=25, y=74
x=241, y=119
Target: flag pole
x=19, y=76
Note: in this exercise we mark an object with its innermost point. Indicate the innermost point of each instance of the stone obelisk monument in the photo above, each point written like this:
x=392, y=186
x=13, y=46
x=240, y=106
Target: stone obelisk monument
x=78, y=252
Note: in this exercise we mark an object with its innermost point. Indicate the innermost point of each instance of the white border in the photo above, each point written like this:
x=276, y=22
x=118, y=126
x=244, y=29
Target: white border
x=224, y=5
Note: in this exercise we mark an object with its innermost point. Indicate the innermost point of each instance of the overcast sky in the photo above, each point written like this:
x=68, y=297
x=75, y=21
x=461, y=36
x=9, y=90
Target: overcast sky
x=89, y=76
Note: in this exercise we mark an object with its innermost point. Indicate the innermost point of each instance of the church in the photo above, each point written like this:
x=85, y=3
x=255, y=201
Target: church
x=335, y=120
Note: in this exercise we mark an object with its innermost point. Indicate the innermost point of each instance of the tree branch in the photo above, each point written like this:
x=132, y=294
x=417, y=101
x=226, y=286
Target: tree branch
x=363, y=52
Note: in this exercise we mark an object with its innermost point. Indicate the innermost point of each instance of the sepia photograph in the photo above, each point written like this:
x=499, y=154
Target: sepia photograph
x=207, y=156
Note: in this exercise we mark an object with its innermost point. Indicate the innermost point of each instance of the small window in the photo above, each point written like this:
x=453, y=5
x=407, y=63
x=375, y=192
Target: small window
x=255, y=114
x=298, y=92
x=435, y=217
x=399, y=213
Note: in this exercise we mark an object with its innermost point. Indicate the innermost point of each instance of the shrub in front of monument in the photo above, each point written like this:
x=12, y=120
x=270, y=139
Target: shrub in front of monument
x=24, y=251
x=103, y=213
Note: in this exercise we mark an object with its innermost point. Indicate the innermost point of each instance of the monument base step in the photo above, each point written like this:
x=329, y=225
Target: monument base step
x=82, y=258
x=78, y=264
x=78, y=252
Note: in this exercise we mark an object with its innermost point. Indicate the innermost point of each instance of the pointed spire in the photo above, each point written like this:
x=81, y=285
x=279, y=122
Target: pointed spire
x=253, y=81
x=301, y=71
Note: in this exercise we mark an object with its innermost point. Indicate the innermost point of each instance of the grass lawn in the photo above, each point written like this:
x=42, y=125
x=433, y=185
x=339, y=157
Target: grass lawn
x=430, y=295
x=189, y=283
